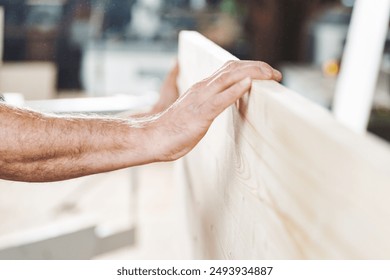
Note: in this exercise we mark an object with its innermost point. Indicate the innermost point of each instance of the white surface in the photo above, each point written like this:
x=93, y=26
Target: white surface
x=113, y=104
x=13, y=98
x=361, y=63
x=148, y=270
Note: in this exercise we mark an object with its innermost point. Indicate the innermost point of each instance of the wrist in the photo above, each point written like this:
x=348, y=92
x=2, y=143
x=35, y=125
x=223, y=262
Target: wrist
x=156, y=138
x=161, y=140
x=146, y=136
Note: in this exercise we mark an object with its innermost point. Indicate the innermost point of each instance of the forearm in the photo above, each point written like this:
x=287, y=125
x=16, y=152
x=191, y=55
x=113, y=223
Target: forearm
x=37, y=147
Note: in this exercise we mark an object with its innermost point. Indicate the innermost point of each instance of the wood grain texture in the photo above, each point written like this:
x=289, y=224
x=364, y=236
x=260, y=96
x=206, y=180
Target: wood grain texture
x=279, y=178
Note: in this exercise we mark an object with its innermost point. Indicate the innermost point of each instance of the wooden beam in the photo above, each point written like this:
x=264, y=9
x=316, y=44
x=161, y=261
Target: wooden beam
x=280, y=178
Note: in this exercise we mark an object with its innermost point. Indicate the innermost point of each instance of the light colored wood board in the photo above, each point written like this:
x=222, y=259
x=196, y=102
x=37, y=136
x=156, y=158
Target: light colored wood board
x=281, y=178
x=159, y=216
x=160, y=232
x=209, y=63
x=112, y=239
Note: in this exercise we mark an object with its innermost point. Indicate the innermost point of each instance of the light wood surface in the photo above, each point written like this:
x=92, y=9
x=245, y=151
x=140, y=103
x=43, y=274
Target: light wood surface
x=280, y=178
x=161, y=234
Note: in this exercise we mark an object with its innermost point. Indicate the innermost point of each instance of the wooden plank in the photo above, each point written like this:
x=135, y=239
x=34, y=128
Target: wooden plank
x=281, y=178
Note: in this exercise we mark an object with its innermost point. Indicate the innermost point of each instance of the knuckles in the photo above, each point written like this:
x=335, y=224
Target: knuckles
x=198, y=86
x=266, y=68
x=265, y=65
x=234, y=70
x=238, y=65
x=231, y=64
x=223, y=78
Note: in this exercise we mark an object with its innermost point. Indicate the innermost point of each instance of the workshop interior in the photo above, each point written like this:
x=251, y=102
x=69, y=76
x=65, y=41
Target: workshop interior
x=105, y=57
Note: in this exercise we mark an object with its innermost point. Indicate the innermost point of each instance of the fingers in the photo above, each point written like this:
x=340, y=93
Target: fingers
x=174, y=71
x=191, y=115
x=229, y=83
x=168, y=91
x=277, y=76
x=233, y=72
x=218, y=103
x=172, y=76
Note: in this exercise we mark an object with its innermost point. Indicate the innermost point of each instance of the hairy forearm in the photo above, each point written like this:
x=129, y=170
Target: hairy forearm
x=38, y=148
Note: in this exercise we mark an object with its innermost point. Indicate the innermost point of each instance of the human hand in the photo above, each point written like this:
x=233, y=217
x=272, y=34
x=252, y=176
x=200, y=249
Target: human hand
x=168, y=91
x=177, y=130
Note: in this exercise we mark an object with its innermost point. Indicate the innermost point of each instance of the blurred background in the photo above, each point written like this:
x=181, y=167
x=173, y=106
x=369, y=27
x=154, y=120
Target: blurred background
x=124, y=48
x=102, y=48
x=69, y=32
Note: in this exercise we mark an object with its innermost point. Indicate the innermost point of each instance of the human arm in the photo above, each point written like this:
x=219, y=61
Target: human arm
x=39, y=148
